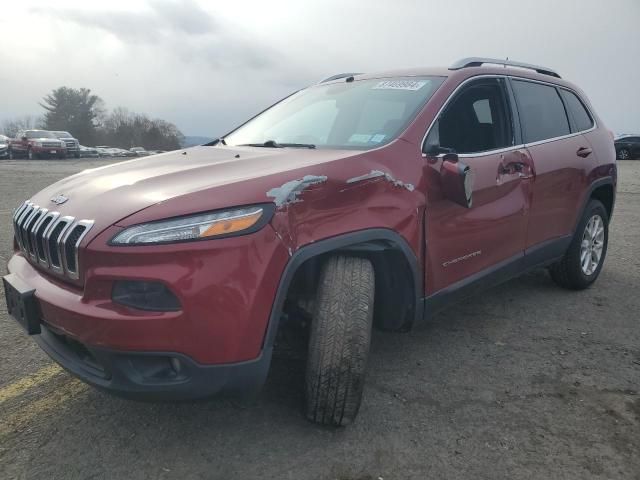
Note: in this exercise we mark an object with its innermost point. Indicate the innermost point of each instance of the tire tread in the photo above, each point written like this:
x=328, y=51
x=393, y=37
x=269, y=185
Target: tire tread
x=339, y=341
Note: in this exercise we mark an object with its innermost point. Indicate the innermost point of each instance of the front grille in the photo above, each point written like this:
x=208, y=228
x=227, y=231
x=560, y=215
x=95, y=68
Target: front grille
x=51, y=144
x=70, y=144
x=48, y=239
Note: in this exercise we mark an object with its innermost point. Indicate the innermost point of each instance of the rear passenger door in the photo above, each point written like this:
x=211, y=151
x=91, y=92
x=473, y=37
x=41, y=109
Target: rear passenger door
x=558, y=155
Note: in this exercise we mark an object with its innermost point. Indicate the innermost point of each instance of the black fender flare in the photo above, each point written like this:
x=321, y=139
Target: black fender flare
x=600, y=182
x=372, y=239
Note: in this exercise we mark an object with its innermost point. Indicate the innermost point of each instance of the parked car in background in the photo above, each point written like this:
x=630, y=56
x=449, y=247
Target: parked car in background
x=4, y=146
x=139, y=151
x=103, y=150
x=627, y=147
x=106, y=151
x=88, y=152
x=72, y=144
x=36, y=144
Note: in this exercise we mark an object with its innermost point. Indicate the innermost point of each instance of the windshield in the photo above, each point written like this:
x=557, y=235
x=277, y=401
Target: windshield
x=39, y=134
x=63, y=134
x=360, y=115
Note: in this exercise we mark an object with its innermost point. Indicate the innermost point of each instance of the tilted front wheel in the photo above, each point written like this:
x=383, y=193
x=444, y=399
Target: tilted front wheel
x=583, y=261
x=339, y=340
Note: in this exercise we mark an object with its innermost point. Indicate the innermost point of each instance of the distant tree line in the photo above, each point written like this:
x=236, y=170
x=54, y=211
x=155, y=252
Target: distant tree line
x=83, y=114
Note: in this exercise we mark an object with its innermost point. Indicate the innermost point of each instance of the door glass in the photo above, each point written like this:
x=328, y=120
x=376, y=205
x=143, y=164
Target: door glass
x=578, y=112
x=541, y=111
x=476, y=120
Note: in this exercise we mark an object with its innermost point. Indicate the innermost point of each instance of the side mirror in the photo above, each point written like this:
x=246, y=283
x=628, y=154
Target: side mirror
x=457, y=180
x=24, y=139
x=433, y=150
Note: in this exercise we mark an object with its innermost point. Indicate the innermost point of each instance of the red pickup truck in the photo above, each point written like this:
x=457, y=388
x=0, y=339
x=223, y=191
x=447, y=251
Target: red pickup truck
x=35, y=144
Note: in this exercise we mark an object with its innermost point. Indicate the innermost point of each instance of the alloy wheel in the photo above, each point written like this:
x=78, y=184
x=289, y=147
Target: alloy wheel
x=592, y=245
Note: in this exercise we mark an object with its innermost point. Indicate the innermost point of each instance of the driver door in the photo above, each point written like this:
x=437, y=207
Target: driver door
x=465, y=243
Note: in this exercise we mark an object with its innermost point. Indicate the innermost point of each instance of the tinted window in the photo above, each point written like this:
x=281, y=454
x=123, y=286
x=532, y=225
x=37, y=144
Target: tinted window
x=476, y=120
x=40, y=134
x=577, y=110
x=541, y=111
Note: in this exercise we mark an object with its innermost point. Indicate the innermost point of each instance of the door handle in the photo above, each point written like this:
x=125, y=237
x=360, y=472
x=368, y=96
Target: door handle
x=522, y=169
x=584, y=152
x=510, y=168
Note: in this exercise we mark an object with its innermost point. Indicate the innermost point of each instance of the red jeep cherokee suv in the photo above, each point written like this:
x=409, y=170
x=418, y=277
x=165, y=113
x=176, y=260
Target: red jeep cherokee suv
x=367, y=198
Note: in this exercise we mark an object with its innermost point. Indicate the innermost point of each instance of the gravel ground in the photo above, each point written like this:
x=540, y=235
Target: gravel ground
x=525, y=381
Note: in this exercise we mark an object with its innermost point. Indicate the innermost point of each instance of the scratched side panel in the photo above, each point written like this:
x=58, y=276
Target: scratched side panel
x=352, y=198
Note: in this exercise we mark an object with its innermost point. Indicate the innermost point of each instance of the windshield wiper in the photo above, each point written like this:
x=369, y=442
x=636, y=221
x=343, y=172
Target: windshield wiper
x=274, y=144
x=298, y=145
x=215, y=142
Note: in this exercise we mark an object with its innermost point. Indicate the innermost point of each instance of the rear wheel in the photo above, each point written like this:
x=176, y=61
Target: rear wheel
x=583, y=261
x=339, y=340
x=623, y=154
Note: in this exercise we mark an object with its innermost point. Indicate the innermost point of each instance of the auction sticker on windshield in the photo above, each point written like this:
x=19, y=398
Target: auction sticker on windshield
x=400, y=85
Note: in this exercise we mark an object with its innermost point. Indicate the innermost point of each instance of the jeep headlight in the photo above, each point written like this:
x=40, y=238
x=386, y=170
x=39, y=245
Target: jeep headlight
x=218, y=224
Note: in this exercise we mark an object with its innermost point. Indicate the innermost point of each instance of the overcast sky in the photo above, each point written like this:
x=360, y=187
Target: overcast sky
x=207, y=65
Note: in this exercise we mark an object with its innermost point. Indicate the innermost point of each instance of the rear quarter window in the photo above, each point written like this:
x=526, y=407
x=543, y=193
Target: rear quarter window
x=581, y=117
x=541, y=111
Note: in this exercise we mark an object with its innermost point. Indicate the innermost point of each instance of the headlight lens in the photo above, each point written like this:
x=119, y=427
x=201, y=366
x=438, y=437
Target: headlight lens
x=196, y=227
x=37, y=144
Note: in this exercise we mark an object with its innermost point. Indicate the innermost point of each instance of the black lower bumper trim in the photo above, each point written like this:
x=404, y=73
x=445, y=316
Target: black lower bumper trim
x=152, y=376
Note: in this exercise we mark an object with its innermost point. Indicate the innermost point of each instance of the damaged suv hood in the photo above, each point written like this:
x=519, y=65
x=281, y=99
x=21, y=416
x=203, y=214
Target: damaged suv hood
x=111, y=193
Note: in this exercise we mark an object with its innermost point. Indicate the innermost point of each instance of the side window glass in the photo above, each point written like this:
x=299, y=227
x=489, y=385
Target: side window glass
x=476, y=120
x=541, y=110
x=483, y=111
x=577, y=110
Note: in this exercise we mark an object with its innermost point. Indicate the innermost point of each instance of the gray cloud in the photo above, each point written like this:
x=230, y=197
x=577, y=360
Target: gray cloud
x=208, y=66
x=181, y=27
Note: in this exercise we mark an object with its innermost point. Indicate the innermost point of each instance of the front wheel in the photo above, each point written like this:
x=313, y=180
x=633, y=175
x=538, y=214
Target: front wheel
x=623, y=154
x=583, y=261
x=339, y=340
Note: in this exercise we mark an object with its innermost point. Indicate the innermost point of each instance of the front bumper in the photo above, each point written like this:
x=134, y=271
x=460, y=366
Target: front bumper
x=46, y=151
x=218, y=336
x=151, y=375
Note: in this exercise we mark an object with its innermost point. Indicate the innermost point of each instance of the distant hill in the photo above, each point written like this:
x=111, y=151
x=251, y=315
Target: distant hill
x=191, y=141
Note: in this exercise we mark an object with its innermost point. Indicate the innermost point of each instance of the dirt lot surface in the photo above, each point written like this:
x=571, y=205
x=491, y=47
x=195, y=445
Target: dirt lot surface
x=525, y=381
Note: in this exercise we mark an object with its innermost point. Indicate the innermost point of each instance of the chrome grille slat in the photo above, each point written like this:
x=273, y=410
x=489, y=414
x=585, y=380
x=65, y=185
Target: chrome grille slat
x=49, y=240
x=17, y=215
x=24, y=228
x=31, y=223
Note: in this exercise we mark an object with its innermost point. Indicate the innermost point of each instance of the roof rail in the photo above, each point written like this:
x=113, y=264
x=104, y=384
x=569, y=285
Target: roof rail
x=478, y=61
x=339, y=76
